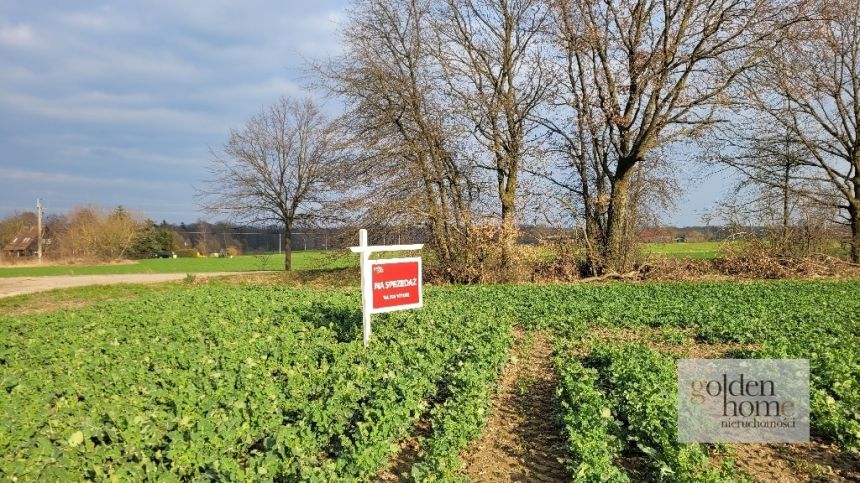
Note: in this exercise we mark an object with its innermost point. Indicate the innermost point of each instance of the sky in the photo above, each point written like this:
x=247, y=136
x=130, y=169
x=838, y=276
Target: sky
x=120, y=102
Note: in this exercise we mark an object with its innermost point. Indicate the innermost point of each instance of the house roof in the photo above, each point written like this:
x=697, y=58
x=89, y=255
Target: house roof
x=25, y=239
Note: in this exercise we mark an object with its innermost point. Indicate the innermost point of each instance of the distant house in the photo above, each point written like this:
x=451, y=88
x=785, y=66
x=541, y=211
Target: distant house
x=25, y=243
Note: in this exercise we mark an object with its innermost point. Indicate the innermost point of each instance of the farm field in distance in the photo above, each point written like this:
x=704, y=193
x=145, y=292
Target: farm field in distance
x=242, y=381
x=709, y=250
x=302, y=260
x=703, y=250
x=597, y=241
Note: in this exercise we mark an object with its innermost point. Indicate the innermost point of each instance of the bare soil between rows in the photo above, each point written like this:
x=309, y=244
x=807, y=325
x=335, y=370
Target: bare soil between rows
x=523, y=440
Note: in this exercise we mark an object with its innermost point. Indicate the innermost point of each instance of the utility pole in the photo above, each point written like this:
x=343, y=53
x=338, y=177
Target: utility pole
x=39, y=228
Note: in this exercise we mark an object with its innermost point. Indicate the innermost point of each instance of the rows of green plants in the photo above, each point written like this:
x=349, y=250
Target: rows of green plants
x=240, y=383
x=462, y=413
x=593, y=433
x=815, y=320
x=273, y=383
x=834, y=386
x=720, y=311
x=634, y=387
x=641, y=385
x=622, y=399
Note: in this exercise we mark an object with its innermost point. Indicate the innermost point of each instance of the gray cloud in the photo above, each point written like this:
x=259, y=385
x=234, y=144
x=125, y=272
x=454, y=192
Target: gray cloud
x=118, y=103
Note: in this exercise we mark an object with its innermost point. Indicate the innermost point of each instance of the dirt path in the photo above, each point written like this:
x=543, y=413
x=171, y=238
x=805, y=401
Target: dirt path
x=523, y=440
x=23, y=285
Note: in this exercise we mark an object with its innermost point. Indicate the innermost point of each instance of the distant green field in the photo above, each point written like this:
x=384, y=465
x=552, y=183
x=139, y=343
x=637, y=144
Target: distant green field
x=710, y=250
x=303, y=260
x=703, y=250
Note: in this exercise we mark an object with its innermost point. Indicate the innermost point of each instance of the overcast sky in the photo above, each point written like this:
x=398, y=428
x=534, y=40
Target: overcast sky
x=118, y=103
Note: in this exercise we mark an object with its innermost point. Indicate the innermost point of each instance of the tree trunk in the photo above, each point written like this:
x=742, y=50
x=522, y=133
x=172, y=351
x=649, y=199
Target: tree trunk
x=855, y=234
x=508, y=234
x=785, y=207
x=288, y=248
x=617, y=244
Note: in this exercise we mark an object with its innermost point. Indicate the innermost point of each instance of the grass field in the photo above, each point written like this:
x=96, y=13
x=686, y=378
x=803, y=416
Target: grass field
x=703, y=250
x=710, y=250
x=245, y=382
x=302, y=260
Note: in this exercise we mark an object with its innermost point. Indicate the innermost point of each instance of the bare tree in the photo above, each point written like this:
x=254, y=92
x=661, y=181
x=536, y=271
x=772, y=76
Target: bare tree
x=810, y=86
x=754, y=210
x=491, y=56
x=91, y=233
x=771, y=163
x=277, y=169
x=643, y=74
x=406, y=147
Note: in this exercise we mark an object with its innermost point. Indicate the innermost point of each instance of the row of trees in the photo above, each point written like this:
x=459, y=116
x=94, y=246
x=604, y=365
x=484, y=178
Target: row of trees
x=579, y=111
x=796, y=137
x=90, y=233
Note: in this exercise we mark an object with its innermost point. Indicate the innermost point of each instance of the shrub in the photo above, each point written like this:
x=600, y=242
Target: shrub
x=480, y=259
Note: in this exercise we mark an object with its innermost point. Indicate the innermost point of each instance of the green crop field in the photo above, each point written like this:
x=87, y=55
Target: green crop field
x=302, y=260
x=242, y=382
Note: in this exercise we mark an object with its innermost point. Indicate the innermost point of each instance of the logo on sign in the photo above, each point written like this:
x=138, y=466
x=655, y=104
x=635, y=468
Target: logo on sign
x=743, y=400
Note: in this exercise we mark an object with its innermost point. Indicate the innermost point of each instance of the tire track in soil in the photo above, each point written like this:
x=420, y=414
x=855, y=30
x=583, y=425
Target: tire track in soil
x=523, y=440
x=400, y=465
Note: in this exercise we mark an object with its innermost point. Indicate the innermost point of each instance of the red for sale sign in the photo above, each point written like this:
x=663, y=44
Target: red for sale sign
x=396, y=284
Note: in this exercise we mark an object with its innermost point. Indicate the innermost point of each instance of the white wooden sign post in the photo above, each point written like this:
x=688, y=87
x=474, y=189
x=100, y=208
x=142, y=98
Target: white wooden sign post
x=389, y=284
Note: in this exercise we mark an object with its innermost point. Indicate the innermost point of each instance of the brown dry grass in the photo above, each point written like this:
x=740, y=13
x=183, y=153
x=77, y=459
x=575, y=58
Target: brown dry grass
x=345, y=277
x=677, y=342
x=808, y=462
x=747, y=266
